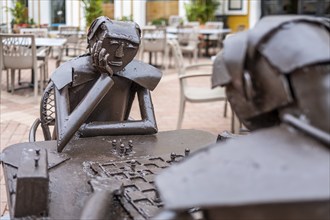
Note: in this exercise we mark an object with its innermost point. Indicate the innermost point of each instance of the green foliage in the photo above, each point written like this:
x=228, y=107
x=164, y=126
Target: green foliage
x=93, y=9
x=31, y=21
x=201, y=10
x=18, y=13
x=126, y=18
x=160, y=21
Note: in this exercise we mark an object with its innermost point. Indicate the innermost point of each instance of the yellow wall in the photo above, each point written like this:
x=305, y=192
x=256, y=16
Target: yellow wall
x=108, y=10
x=161, y=9
x=234, y=21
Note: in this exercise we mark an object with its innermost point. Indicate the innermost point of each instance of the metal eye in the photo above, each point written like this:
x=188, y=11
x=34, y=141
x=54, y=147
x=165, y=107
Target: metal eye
x=114, y=42
x=130, y=46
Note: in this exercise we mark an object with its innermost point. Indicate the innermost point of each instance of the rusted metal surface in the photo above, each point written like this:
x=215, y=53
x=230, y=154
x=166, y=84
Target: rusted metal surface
x=84, y=161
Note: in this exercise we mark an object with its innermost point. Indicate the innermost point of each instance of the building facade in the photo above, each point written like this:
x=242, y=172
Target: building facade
x=235, y=13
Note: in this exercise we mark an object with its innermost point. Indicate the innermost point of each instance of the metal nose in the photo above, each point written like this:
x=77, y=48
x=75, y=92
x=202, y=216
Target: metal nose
x=120, y=50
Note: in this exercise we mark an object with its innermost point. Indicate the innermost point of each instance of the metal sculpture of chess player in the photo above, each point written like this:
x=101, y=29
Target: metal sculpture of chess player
x=94, y=92
x=277, y=78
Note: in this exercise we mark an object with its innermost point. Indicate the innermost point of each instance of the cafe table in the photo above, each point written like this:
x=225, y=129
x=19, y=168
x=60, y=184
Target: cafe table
x=204, y=31
x=50, y=42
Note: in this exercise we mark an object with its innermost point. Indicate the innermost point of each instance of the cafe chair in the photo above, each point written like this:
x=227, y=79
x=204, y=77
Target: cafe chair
x=18, y=52
x=38, y=32
x=188, y=39
x=194, y=24
x=175, y=20
x=42, y=52
x=71, y=33
x=154, y=41
x=63, y=56
x=214, y=40
x=3, y=28
x=194, y=93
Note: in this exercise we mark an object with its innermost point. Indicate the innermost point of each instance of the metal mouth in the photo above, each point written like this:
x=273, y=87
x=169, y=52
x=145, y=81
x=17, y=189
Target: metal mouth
x=116, y=63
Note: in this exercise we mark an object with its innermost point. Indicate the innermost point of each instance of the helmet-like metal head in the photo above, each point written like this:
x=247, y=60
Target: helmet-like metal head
x=120, y=39
x=281, y=65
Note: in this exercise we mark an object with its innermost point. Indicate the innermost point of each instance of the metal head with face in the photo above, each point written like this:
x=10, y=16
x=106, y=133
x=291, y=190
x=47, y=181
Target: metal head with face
x=267, y=70
x=113, y=44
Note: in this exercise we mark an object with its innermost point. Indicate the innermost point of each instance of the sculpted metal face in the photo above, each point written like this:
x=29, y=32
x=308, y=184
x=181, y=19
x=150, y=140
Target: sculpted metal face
x=113, y=44
x=261, y=80
x=125, y=51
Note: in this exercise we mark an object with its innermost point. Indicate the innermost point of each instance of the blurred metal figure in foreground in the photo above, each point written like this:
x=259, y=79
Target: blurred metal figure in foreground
x=94, y=92
x=277, y=78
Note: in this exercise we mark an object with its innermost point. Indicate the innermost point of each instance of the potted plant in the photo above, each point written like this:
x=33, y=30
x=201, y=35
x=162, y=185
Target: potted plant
x=201, y=10
x=126, y=18
x=20, y=18
x=160, y=21
x=93, y=9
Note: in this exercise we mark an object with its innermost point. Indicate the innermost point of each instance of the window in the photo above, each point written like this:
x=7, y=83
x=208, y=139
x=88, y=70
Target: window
x=306, y=7
x=236, y=7
x=57, y=13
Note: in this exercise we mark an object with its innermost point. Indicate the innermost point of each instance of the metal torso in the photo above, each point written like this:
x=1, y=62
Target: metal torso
x=81, y=75
x=120, y=94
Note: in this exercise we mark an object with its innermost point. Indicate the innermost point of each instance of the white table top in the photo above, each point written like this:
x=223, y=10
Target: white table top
x=50, y=42
x=205, y=31
x=168, y=36
x=56, y=33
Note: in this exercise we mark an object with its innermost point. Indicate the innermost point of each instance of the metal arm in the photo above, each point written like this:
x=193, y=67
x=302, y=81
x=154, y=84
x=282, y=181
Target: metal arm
x=145, y=126
x=68, y=123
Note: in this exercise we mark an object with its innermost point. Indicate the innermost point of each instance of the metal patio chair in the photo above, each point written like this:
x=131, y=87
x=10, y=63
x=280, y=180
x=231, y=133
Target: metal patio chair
x=188, y=39
x=42, y=52
x=193, y=93
x=154, y=41
x=71, y=33
x=17, y=52
x=214, y=40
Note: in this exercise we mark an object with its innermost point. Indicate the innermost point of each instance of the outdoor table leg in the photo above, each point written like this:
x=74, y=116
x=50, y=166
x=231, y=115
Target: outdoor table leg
x=207, y=45
x=150, y=58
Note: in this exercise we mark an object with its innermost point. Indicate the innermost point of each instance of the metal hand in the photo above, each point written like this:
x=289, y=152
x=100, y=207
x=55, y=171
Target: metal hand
x=100, y=57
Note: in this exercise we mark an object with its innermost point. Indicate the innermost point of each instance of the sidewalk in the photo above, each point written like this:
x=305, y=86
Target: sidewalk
x=18, y=112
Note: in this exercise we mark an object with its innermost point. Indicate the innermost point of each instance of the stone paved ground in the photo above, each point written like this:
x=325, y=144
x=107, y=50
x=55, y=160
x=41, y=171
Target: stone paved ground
x=18, y=111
